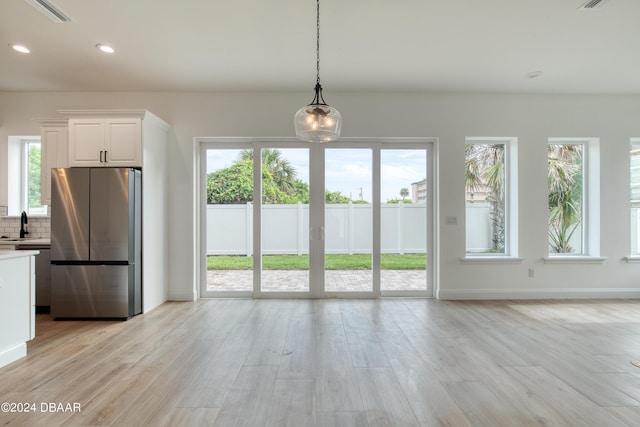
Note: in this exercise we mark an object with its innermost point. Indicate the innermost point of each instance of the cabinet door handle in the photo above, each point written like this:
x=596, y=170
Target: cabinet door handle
x=105, y=156
x=101, y=156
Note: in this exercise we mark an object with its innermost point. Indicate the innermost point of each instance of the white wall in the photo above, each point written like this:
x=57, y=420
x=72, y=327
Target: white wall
x=451, y=118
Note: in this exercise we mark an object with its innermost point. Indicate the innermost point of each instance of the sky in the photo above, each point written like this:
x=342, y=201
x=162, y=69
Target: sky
x=347, y=170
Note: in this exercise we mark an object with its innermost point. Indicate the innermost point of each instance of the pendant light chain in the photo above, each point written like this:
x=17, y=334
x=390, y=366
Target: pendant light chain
x=317, y=41
x=318, y=99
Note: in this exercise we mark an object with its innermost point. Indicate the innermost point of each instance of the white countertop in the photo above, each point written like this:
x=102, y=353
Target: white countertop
x=5, y=254
x=27, y=242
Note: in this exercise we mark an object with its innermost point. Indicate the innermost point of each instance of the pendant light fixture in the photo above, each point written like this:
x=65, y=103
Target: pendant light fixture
x=318, y=122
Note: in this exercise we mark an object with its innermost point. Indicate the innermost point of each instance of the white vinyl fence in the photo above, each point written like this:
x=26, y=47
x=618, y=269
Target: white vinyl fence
x=285, y=229
x=478, y=227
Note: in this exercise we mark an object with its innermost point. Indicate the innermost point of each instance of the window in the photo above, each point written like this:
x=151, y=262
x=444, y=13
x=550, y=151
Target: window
x=31, y=200
x=24, y=176
x=634, y=195
x=573, y=202
x=566, y=198
x=490, y=203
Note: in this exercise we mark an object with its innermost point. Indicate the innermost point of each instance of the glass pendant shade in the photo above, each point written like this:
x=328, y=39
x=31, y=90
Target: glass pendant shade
x=318, y=123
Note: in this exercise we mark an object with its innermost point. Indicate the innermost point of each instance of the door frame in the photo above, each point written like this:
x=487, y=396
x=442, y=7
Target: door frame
x=316, y=215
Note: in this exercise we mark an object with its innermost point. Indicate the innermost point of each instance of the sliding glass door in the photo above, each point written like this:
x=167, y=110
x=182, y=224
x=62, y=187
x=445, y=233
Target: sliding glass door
x=404, y=220
x=348, y=242
x=284, y=239
x=346, y=219
x=227, y=218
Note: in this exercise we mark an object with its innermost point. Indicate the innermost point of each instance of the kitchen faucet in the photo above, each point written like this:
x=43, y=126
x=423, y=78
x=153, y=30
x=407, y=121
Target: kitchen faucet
x=23, y=220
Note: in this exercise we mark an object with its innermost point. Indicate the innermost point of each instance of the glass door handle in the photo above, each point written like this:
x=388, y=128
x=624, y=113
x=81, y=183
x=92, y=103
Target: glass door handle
x=316, y=233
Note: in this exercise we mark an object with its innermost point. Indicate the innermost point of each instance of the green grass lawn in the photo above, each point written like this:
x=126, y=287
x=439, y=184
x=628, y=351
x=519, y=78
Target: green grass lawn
x=332, y=262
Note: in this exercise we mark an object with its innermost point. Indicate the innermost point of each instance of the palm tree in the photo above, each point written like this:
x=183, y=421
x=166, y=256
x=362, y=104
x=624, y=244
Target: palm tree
x=284, y=174
x=485, y=170
x=484, y=165
x=565, y=195
x=472, y=179
x=404, y=192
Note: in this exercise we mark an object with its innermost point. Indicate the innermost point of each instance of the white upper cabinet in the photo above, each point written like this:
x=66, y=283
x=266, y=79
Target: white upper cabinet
x=54, y=153
x=86, y=142
x=113, y=142
x=123, y=142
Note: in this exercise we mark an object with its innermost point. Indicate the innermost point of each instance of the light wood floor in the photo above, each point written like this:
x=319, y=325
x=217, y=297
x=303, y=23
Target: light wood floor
x=389, y=362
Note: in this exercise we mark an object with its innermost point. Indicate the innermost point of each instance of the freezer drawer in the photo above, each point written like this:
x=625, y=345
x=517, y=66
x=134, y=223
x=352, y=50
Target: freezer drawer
x=93, y=291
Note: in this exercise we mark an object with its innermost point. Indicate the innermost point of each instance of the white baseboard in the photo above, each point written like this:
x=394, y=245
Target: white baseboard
x=559, y=293
x=13, y=353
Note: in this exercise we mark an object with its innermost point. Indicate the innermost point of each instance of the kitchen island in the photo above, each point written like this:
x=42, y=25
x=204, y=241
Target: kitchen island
x=43, y=265
x=17, y=303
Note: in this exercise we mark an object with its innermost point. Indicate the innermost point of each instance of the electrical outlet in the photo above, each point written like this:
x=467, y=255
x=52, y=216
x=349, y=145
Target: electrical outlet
x=532, y=272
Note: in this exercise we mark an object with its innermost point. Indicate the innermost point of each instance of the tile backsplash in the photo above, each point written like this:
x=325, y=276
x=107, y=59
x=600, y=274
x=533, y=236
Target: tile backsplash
x=38, y=226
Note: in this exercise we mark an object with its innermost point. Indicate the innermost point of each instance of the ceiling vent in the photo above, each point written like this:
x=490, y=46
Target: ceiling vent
x=594, y=4
x=50, y=10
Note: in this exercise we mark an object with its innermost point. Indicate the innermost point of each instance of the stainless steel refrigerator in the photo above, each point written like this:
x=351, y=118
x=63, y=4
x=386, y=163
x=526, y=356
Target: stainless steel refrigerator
x=96, y=242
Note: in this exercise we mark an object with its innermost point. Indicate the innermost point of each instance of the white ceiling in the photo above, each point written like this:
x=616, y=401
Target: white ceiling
x=385, y=45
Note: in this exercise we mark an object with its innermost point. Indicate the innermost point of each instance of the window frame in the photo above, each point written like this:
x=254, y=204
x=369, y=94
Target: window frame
x=511, y=199
x=634, y=150
x=18, y=158
x=26, y=144
x=590, y=244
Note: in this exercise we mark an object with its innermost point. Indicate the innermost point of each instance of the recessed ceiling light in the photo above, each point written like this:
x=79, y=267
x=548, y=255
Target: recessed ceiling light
x=19, y=48
x=105, y=48
x=534, y=74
